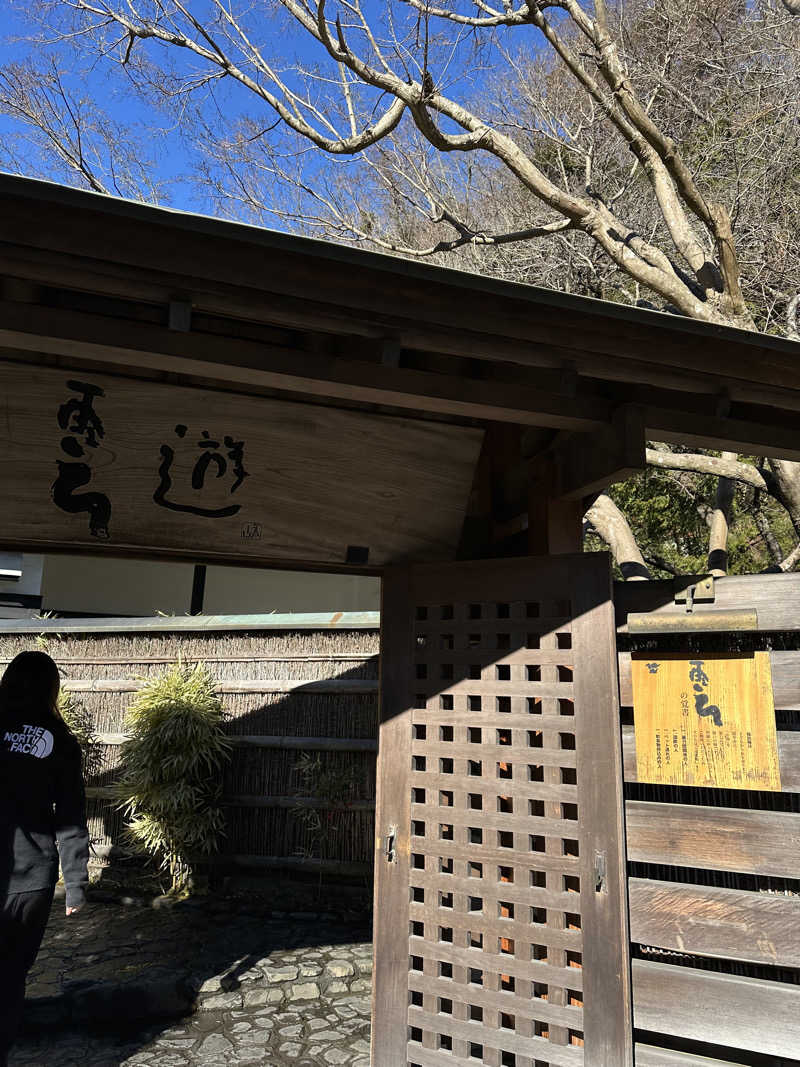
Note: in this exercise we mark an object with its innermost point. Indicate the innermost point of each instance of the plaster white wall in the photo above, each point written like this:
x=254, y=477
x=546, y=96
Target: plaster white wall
x=245, y=591
x=102, y=586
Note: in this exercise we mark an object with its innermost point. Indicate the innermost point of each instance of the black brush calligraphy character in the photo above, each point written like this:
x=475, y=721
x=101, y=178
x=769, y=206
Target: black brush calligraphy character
x=78, y=415
x=696, y=672
x=236, y=456
x=160, y=496
x=72, y=476
x=72, y=447
x=703, y=708
x=211, y=455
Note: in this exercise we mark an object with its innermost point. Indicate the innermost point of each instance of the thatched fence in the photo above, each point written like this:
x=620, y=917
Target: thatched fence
x=300, y=694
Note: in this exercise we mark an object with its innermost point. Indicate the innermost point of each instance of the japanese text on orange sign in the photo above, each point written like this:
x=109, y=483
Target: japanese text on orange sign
x=705, y=720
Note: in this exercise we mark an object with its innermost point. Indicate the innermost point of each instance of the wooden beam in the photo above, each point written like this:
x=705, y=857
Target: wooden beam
x=721, y=1009
x=233, y=361
x=732, y=924
x=316, y=744
x=248, y=304
x=355, y=282
x=714, y=431
x=775, y=597
x=393, y=816
x=651, y=1056
x=476, y=532
x=555, y=526
x=715, y=839
x=646, y=1056
x=106, y=341
x=588, y=463
x=342, y=686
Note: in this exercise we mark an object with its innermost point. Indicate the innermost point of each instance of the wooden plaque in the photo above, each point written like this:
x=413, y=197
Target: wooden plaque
x=108, y=463
x=708, y=720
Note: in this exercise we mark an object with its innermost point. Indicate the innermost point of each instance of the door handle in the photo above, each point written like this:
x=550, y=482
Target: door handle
x=390, y=842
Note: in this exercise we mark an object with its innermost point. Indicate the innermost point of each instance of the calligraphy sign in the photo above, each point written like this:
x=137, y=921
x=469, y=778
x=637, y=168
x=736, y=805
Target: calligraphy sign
x=107, y=462
x=708, y=720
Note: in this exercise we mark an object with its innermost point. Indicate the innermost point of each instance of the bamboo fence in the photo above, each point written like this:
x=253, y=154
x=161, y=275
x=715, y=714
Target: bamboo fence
x=298, y=692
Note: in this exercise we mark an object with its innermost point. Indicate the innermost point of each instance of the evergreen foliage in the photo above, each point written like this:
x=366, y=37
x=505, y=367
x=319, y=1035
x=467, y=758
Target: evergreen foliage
x=172, y=768
x=669, y=511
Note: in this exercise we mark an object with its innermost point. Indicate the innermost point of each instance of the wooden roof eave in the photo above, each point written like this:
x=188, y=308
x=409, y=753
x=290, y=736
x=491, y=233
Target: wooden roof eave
x=576, y=359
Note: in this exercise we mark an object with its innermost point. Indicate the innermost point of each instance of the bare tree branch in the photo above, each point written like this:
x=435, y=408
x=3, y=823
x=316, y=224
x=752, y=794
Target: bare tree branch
x=612, y=526
x=653, y=145
x=790, y=561
x=723, y=466
x=720, y=522
x=793, y=307
x=764, y=528
x=435, y=114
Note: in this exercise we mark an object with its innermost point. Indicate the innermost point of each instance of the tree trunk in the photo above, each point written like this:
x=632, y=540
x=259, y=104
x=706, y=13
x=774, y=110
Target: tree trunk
x=719, y=524
x=787, y=487
x=612, y=526
x=790, y=562
x=766, y=531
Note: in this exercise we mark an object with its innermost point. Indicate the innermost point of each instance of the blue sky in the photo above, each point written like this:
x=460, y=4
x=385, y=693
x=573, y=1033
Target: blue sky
x=104, y=85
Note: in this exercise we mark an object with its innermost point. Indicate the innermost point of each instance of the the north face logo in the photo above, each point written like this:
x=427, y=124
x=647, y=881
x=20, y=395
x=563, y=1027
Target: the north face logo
x=31, y=741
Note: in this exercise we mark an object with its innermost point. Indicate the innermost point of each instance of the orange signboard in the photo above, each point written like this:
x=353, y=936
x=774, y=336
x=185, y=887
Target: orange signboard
x=705, y=720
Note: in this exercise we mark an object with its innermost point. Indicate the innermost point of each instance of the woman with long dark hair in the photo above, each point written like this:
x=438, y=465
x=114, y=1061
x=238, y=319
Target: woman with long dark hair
x=42, y=821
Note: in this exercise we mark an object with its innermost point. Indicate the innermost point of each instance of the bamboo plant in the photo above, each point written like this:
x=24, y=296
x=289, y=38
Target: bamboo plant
x=172, y=767
x=80, y=722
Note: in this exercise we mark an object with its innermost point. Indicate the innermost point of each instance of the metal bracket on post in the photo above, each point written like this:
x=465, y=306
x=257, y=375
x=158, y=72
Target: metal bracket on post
x=690, y=592
x=179, y=315
x=701, y=591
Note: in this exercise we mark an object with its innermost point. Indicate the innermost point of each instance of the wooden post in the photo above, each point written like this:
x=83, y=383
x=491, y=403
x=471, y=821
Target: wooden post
x=555, y=526
x=513, y=508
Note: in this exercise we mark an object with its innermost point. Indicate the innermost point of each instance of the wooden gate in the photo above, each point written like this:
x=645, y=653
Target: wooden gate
x=501, y=916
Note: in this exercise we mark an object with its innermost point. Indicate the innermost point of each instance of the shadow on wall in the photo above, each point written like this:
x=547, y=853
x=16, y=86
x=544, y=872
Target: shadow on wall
x=295, y=868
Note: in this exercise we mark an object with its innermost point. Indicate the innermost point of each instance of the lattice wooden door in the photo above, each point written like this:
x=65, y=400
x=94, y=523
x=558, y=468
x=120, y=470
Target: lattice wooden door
x=501, y=915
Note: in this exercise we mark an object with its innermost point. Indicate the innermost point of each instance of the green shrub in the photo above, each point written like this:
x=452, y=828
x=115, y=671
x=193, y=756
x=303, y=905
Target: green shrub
x=81, y=724
x=172, y=768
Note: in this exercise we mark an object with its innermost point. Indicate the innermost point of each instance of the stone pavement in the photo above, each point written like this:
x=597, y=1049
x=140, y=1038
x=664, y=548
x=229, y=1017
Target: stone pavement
x=328, y=1032
x=135, y=961
x=210, y=982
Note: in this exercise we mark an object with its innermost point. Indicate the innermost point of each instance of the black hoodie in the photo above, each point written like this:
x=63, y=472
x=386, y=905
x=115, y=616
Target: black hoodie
x=42, y=802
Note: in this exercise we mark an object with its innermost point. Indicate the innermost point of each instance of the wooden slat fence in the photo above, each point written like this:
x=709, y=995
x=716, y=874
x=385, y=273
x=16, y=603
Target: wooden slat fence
x=714, y=875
